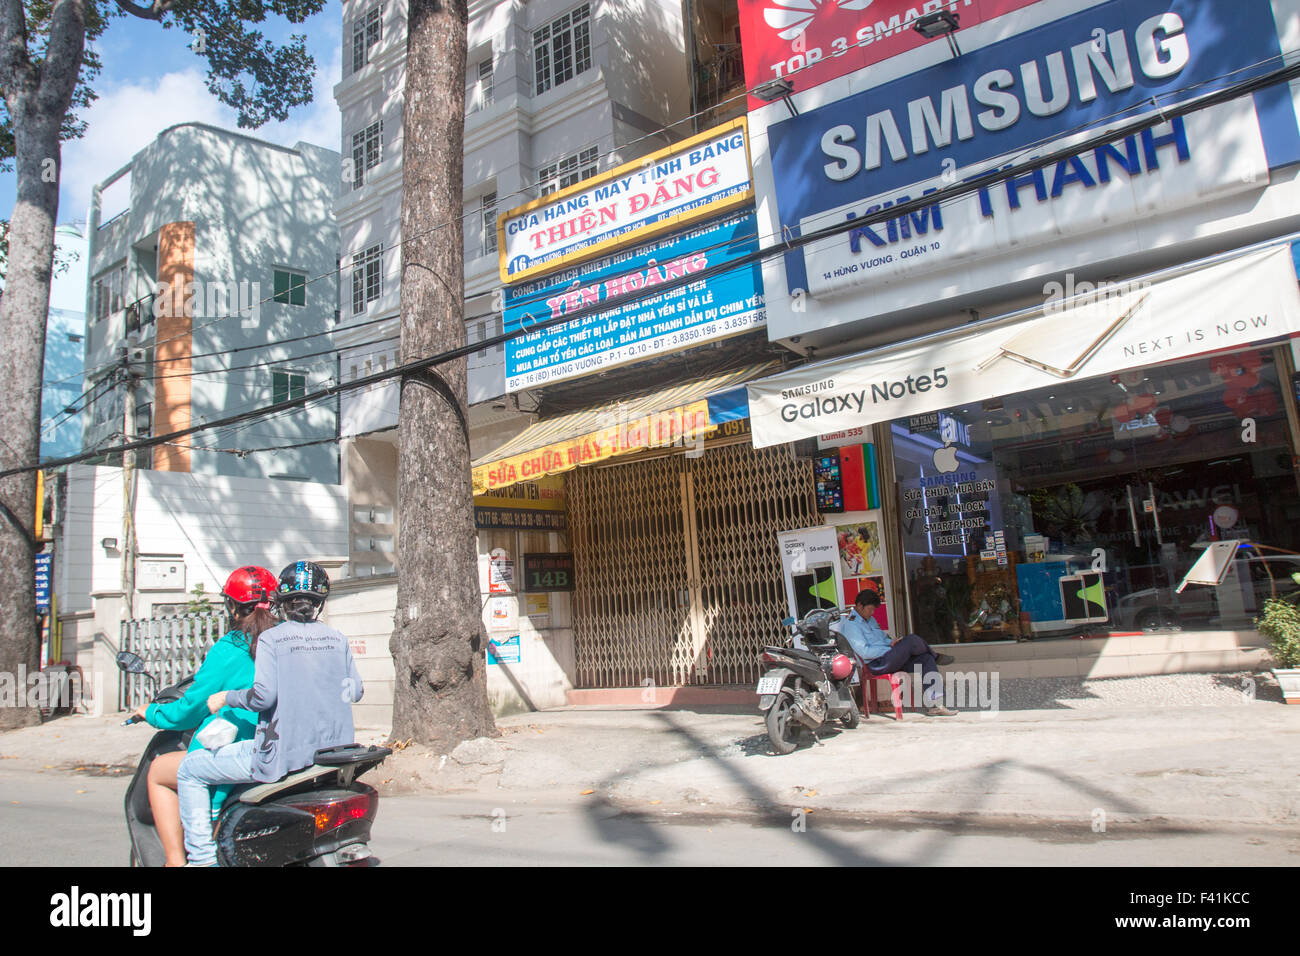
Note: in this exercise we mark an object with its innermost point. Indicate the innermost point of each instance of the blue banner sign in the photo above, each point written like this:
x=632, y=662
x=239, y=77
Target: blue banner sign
x=44, y=568
x=1099, y=66
x=651, y=323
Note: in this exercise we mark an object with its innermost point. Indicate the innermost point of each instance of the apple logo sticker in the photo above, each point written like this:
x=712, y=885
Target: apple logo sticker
x=945, y=458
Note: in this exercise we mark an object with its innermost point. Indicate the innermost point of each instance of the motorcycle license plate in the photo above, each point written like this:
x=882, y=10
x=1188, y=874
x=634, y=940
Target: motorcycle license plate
x=769, y=685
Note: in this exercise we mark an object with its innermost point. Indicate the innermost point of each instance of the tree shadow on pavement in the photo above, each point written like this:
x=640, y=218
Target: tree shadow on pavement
x=837, y=850
x=643, y=833
x=636, y=831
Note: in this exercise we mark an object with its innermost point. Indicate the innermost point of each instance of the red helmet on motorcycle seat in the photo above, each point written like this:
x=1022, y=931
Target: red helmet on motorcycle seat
x=251, y=585
x=841, y=666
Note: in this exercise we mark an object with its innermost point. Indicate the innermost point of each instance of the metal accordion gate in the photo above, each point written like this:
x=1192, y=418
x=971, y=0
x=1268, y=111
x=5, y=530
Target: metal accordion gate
x=677, y=572
x=172, y=648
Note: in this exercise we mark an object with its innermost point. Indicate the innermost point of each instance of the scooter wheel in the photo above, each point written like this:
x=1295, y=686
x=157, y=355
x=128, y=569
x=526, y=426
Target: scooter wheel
x=782, y=730
x=850, y=720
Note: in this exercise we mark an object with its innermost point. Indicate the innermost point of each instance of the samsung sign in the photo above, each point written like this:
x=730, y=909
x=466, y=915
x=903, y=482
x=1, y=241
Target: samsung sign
x=1027, y=95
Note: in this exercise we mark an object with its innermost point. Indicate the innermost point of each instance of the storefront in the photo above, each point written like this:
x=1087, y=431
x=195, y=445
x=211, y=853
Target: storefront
x=668, y=519
x=1031, y=493
x=1078, y=508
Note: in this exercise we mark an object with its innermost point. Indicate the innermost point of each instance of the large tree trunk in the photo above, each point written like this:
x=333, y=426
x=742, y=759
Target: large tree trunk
x=38, y=97
x=23, y=313
x=440, y=695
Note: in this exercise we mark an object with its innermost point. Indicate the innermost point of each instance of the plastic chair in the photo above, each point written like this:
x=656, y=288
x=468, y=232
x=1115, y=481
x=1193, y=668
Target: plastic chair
x=869, y=702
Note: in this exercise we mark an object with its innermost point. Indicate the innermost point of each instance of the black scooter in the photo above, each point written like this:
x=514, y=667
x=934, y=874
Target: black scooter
x=320, y=816
x=805, y=689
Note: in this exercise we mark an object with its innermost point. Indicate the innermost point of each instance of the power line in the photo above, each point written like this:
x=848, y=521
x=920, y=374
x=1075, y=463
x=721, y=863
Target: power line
x=661, y=131
x=947, y=193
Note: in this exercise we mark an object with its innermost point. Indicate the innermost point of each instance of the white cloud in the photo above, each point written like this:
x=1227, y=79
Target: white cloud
x=127, y=117
x=124, y=120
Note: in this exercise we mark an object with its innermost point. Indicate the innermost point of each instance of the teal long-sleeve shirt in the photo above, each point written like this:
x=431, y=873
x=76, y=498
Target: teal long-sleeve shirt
x=227, y=666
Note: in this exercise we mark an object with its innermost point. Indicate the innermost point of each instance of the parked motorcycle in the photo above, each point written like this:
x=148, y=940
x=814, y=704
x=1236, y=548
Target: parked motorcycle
x=806, y=689
x=320, y=816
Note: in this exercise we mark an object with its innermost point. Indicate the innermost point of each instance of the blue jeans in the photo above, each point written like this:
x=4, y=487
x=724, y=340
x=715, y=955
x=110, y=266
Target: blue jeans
x=200, y=770
x=911, y=652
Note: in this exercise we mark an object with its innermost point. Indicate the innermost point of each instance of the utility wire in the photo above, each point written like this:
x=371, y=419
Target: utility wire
x=966, y=187
x=465, y=214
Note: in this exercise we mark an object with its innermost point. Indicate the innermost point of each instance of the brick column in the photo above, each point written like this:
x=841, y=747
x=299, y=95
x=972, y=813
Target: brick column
x=171, y=401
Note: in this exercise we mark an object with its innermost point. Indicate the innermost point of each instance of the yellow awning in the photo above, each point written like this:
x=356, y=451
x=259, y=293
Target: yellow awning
x=672, y=416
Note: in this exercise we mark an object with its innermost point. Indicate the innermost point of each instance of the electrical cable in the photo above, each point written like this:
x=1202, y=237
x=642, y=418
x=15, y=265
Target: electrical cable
x=965, y=187
x=338, y=271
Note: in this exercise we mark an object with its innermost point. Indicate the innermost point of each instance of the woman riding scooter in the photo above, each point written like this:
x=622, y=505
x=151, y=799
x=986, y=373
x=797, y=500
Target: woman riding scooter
x=229, y=664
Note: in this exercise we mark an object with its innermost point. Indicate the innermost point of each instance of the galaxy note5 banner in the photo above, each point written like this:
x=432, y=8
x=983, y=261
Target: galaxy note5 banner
x=701, y=176
x=1250, y=298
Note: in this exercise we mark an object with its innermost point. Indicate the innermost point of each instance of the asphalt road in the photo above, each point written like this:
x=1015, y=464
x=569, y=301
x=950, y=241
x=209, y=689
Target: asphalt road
x=72, y=819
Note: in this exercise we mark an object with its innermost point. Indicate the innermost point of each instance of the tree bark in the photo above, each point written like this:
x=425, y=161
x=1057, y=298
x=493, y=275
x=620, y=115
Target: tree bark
x=37, y=99
x=440, y=694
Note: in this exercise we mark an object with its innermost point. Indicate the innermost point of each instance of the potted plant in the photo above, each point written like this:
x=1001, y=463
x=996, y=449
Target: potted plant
x=1281, y=625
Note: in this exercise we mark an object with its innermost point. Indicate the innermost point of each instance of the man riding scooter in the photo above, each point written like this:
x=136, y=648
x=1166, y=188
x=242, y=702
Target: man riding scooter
x=304, y=683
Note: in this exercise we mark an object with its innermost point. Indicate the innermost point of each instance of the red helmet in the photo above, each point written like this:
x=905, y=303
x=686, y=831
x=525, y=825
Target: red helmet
x=841, y=667
x=251, y=585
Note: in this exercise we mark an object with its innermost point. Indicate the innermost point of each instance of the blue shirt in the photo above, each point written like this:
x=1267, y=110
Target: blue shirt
x=304, y=685
x=868, y=639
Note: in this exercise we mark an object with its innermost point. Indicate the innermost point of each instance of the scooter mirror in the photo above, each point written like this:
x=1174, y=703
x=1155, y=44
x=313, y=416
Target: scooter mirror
x=129, y=662
x=787, y=622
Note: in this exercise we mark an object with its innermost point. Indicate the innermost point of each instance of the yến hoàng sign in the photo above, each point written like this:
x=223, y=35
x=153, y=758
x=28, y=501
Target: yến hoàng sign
x=652, y=321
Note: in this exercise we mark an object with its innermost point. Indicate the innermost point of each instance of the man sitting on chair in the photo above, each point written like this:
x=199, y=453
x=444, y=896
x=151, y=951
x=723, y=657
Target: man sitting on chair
x=884, y=656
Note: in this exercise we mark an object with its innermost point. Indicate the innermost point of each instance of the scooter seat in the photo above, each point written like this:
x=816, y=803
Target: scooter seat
x=265, y=791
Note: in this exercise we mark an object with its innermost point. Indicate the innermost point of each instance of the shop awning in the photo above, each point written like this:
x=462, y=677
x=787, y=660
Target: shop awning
x=1250, y=298
x=681, y=414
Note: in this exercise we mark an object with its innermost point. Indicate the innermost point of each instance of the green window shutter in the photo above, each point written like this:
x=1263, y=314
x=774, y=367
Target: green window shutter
x=281, y=286
x=297, y=289
x=279, y=387
x=297, y=386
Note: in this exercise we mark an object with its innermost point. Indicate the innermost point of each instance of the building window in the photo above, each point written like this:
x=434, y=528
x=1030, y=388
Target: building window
x=562, y=48
x=286, y=386
x=365, y=35
x=109, y=293
x=481, y=97
x=568, y=171
x=365, y=278
x=367, y=149
x=489, y=224
x=290, y=287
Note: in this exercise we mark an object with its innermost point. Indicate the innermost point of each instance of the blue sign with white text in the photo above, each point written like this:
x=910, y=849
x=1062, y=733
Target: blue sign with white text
x=1111, y=62
x=44, y=566
x=650, y=322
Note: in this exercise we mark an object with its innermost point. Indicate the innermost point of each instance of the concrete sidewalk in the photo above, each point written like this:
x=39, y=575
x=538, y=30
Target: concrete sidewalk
x=1189, y=765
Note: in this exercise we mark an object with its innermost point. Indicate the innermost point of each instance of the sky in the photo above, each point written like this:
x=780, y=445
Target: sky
x=152, y=80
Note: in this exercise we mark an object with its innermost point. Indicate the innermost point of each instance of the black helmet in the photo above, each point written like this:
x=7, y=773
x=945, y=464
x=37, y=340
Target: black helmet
x=303, y=579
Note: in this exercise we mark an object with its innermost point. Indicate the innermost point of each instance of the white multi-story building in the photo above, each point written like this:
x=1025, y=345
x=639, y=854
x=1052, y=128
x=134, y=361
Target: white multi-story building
x=65, y=334
x=218, y=276
x=556, y=91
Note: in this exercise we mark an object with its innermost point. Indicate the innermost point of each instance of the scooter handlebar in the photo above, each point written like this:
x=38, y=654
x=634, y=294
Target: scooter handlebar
x=133, y=719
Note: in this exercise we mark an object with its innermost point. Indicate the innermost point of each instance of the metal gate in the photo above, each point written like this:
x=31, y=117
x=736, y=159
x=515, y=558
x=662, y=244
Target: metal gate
x=171, y=647
x=678, y=575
